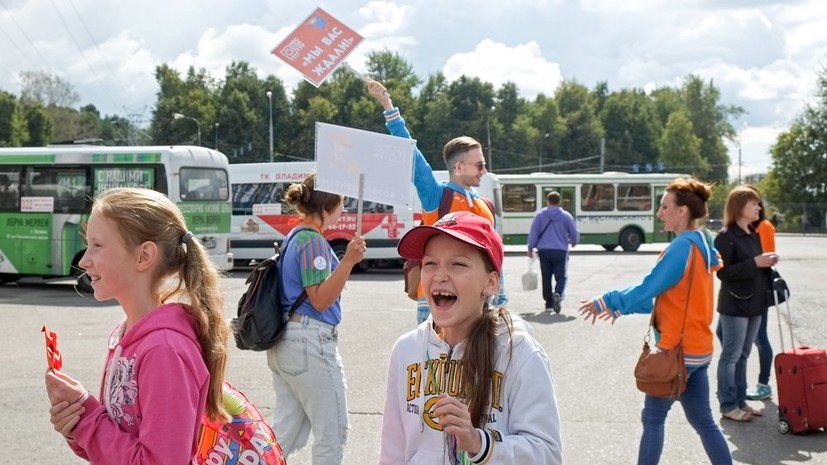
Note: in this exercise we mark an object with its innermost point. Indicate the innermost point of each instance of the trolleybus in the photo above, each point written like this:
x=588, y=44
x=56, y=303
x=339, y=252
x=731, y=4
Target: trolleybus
x=46, y=195
x=610, y=209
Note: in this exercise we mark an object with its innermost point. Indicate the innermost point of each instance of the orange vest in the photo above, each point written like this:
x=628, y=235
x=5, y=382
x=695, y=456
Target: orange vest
x=698, y=303
x=460, y=203
x=766, y=232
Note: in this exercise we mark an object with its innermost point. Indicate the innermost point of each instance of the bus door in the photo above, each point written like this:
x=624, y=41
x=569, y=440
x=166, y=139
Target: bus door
x=659, y=234
x=53, y=200
x=568, y=199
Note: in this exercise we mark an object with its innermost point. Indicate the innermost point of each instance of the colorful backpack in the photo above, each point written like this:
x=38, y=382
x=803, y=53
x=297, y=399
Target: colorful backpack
x=246, y=439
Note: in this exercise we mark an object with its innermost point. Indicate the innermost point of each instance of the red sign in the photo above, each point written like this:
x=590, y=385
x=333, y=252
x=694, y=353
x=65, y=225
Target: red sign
x=53, y=357
x=317, y=46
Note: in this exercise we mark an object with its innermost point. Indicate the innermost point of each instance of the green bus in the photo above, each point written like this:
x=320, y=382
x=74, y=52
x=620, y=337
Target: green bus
x=610, y=209
x=46, y=194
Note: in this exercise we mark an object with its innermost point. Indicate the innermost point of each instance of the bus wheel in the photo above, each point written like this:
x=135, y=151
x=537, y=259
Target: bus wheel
x=84, y=284
x=630, y=240
x=609, y=247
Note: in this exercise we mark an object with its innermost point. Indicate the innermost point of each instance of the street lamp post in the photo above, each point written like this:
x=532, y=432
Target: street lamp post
x=739, y=162
x=542, y=147
x=743, y=127
x=488, y=132
x=270, y=99
x=197, y=123
x=216, y=135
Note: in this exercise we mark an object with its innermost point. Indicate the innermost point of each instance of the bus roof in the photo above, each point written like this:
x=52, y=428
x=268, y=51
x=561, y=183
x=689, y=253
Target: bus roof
x=256, y=173
x=580, y=178
x=110, y=154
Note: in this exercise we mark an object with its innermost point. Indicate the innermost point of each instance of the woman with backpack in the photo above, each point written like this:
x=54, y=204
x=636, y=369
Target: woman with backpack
x=308, y=377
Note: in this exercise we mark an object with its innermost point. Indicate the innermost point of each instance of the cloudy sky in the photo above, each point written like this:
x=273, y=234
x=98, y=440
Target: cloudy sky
x=762, y=54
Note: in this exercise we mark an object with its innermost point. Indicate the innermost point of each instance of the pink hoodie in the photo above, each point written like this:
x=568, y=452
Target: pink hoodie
x=154, y=391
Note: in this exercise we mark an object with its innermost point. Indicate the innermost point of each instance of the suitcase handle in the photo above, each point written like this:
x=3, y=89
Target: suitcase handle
x=778, y=286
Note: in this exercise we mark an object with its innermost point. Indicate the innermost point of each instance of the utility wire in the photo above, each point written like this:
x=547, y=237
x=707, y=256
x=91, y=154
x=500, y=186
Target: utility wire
x=98, y=80
x=22, y=31
x=19, y=49
x=94, y=41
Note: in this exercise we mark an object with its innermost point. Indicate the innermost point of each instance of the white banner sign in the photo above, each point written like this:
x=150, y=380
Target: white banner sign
x=37, y=204
x=386, y=161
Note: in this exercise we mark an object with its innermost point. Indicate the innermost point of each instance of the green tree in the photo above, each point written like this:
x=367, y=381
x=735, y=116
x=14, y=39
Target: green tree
x=13, y=131
x=710, y=123
x=796, y=182
x=580, y=146
x=193, y=97
x=681, y=148
x=552, y=129
x=38, y=124
x=632, y=129
x=396, y=74
x=434, y=109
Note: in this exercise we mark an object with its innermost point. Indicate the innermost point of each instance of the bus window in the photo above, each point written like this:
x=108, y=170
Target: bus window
x=567, y=199
x=246, y=195
x=351, y=206
x=204, y=184
x=9, y=189
x=66, y=186
x=519, y=198
x=634, y=197
x=597, y=197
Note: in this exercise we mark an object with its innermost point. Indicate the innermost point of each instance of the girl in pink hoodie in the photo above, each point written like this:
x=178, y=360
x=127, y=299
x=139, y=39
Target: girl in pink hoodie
x=166, y=359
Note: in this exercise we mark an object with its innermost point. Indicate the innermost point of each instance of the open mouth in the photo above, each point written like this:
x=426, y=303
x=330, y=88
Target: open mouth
x=443, y=298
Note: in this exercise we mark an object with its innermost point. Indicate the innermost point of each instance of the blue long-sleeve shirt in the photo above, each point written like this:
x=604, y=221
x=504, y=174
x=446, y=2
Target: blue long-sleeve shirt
x=430, y=190
x=553, y=229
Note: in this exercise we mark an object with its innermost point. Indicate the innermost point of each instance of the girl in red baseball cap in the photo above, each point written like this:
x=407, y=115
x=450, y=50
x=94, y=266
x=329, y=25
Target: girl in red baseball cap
x=470, y=384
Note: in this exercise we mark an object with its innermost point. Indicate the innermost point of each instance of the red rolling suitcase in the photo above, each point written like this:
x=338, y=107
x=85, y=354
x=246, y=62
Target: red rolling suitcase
x=801, y=378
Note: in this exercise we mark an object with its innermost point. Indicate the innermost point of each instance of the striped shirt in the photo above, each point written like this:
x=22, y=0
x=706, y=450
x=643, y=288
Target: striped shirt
x=308, y=261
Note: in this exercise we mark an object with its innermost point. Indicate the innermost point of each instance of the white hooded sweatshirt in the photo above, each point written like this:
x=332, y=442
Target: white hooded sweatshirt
x=521, y=425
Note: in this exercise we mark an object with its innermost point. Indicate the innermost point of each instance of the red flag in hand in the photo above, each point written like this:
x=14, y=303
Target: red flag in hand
x=53, y=357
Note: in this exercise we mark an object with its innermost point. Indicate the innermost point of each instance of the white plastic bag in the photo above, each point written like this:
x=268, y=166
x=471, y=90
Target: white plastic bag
x=530, y=276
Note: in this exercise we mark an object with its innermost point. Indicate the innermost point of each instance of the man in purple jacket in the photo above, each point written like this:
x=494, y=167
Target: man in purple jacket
x=552, y=230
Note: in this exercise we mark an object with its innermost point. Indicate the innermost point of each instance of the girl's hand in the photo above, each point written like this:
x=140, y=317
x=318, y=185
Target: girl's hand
x=62, y=388
x=356, y=249
x=589, y=309
x=455, y=419
x=65, y=416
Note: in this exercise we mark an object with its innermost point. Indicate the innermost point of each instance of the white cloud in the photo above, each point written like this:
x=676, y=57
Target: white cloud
x=762, y=54
x=385, y=18
x=497, y=63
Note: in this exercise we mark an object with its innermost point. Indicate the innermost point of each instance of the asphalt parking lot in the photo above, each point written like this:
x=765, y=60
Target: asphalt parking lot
x=592, y=365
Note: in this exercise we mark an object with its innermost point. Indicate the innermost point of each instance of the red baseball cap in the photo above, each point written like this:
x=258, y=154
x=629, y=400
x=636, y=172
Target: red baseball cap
x=462, y=225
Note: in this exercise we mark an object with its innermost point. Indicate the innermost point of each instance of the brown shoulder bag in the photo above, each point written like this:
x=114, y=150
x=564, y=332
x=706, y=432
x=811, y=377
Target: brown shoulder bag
x=663, y=373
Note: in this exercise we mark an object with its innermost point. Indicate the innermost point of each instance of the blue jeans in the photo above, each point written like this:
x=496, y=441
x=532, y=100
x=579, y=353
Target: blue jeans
x=762, y=343
x=695, y=403
x=310, y=390
x=553, y=263
x=738, y=335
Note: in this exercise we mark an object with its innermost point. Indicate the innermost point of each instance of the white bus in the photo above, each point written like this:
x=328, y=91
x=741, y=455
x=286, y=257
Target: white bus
x=259, y=219
x=610, y=209
x=46, y=195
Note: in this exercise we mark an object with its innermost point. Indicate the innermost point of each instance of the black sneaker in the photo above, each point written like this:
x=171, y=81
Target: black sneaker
x=555, y=300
